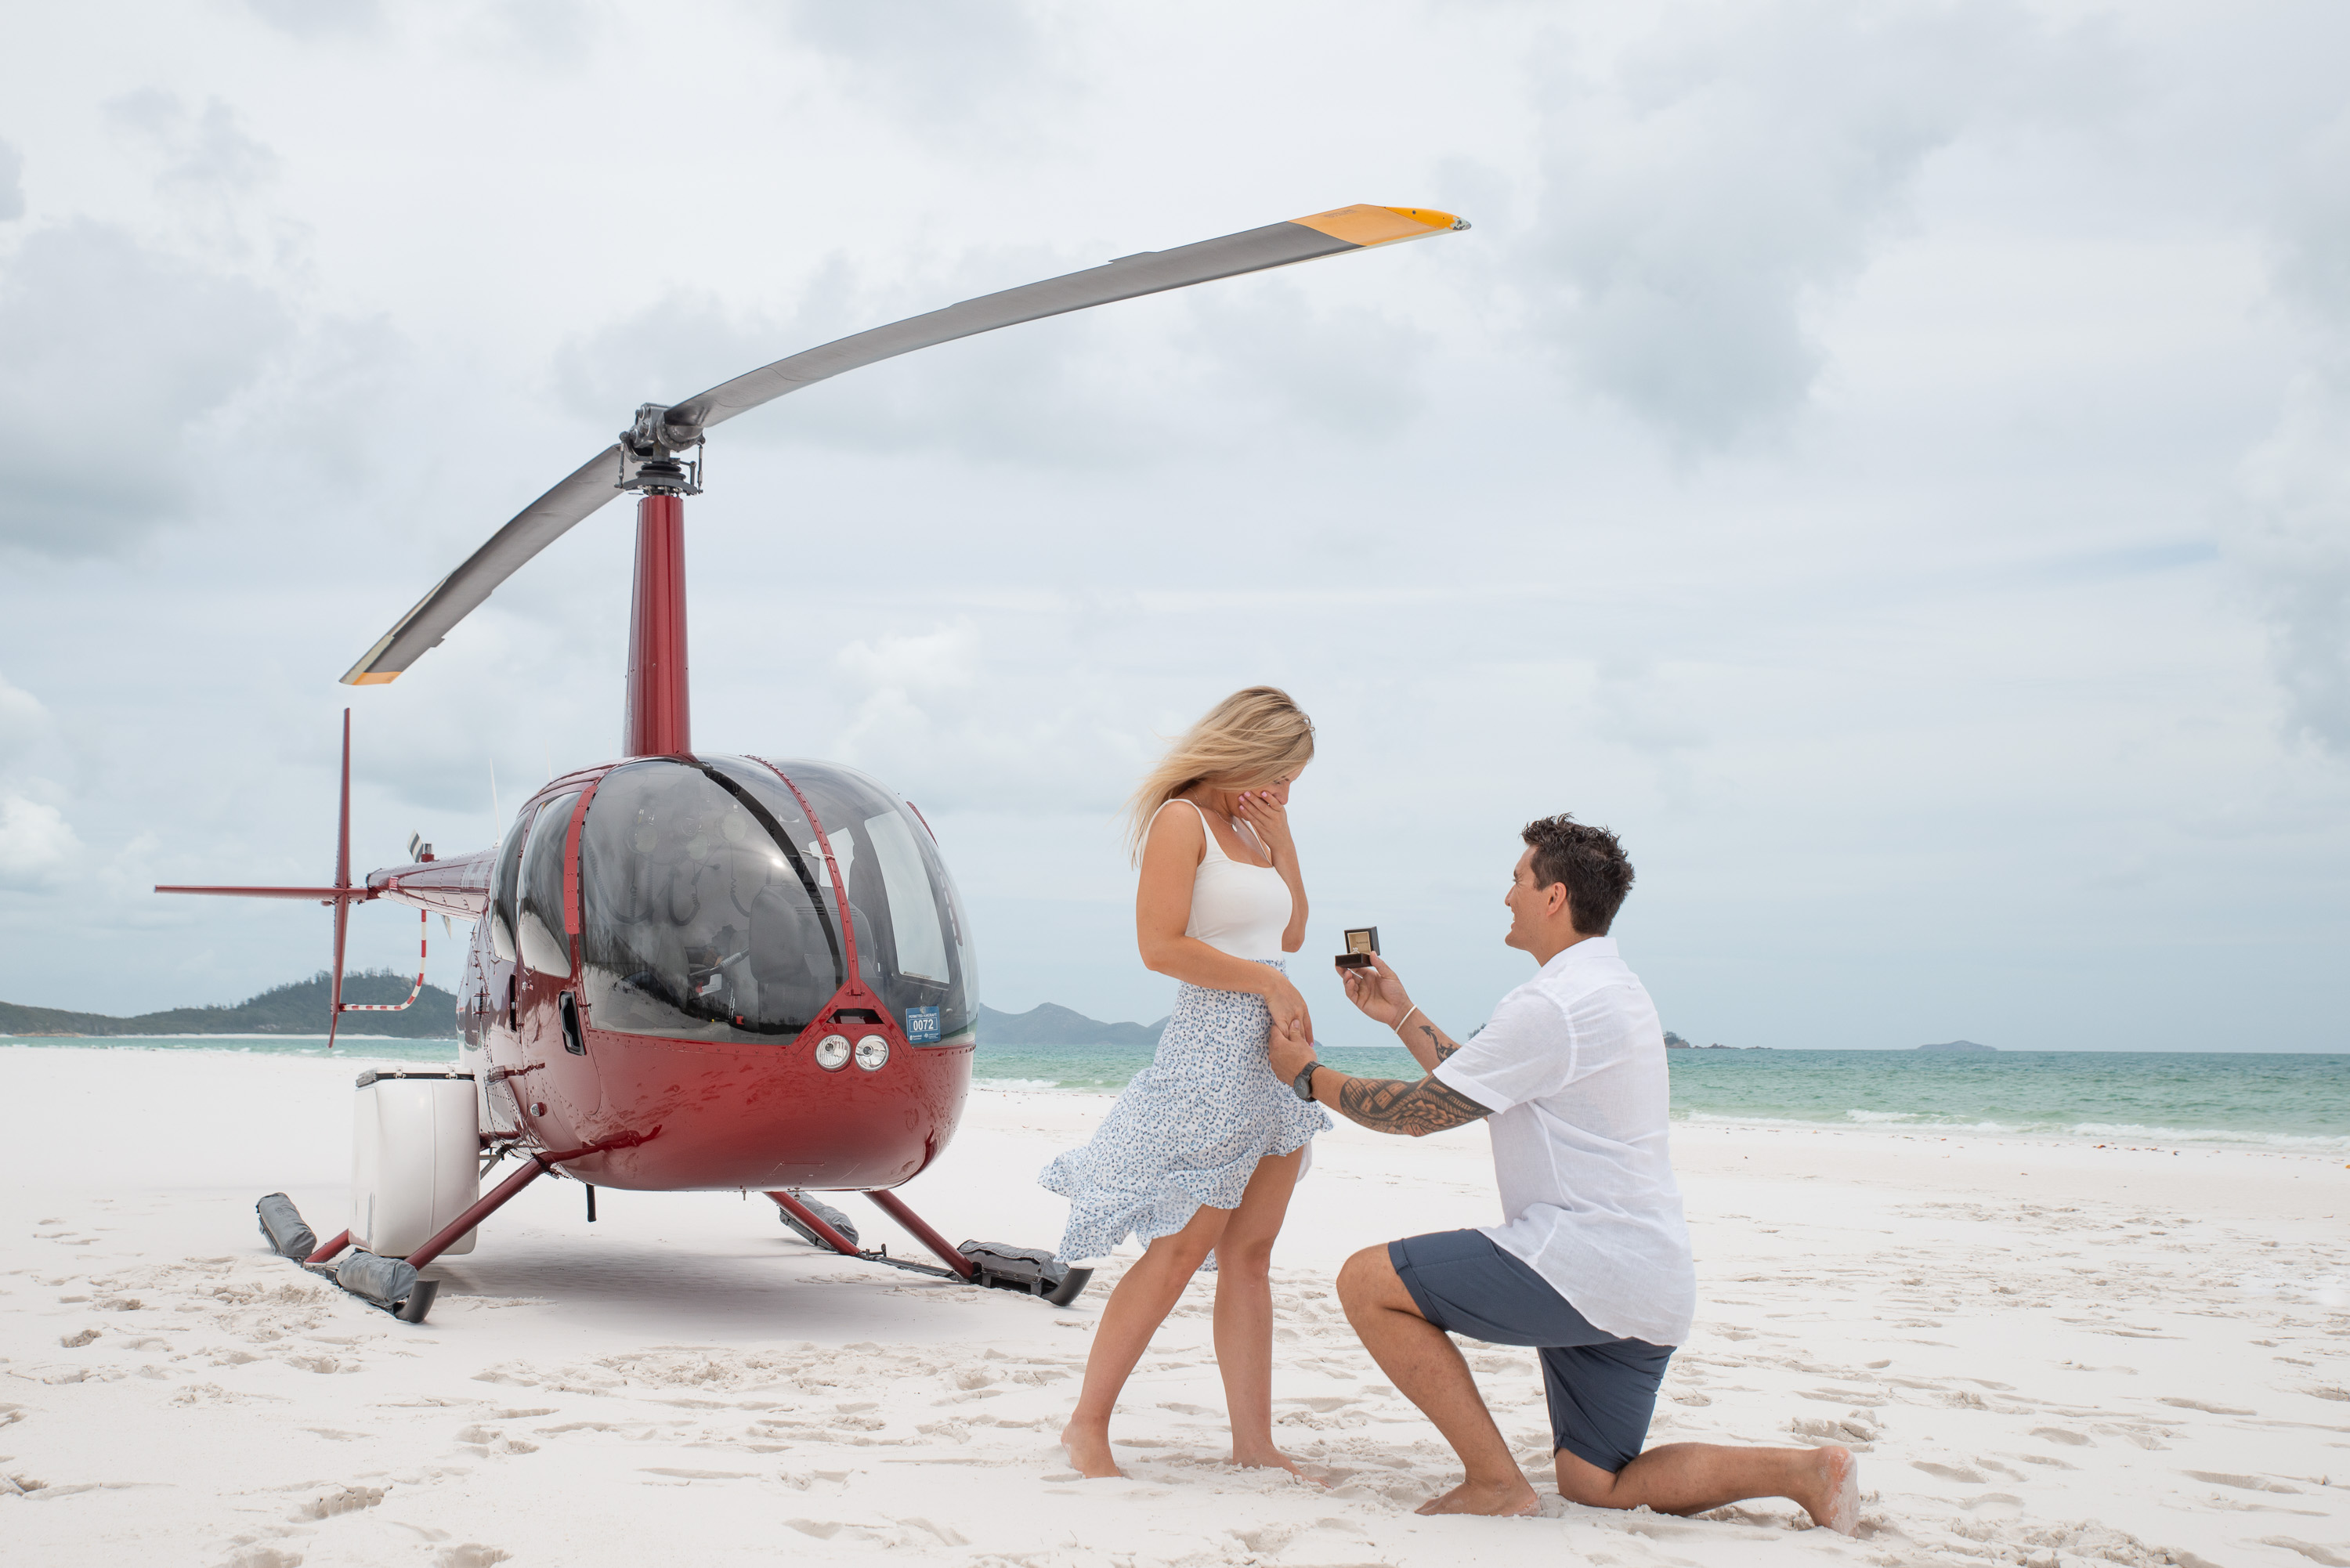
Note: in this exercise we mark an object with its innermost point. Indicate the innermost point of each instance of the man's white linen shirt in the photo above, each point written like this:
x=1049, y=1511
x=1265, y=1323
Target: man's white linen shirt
x=1572, y=1065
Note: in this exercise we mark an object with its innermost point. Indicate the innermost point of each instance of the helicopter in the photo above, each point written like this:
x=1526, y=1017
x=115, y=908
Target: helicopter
x=692, y=971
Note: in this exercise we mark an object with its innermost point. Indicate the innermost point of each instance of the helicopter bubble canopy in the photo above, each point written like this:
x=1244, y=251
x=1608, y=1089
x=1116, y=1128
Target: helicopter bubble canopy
x=710, y=911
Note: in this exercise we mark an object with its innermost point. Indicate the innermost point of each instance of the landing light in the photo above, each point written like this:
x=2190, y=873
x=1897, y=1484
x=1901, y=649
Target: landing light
x=871, y=1052
x=832, y=1053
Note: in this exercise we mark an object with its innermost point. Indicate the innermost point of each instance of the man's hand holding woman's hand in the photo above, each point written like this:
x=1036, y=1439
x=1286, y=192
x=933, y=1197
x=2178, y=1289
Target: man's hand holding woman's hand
x=1288, y=1006
x=1289, y=1050
x=1378, y=991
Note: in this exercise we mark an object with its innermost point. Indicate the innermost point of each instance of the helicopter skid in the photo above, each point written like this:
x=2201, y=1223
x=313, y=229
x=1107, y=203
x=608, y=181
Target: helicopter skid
x=393, y=1284
x=387, y=1285
x=989, y=1264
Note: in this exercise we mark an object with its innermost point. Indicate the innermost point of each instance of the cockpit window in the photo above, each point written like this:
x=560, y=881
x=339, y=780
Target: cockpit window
x=506, y=894
x=702, y=919
x=545, y=946
x=913, y=945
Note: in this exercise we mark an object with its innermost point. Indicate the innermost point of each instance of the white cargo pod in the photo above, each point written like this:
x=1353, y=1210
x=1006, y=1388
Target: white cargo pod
x=415, y=1159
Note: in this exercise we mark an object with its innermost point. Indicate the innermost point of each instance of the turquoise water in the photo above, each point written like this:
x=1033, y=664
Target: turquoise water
x=2287, y=1101
x=2284, y=1101
x=357, y=1047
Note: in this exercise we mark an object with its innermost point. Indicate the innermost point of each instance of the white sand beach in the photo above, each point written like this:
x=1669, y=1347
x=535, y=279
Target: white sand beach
x=2044, y=1352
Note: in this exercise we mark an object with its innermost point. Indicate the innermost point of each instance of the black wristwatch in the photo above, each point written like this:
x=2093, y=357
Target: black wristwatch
x=1301, y=1086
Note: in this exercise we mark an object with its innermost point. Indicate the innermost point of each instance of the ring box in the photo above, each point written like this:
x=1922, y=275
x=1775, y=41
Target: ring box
x=1361, y=943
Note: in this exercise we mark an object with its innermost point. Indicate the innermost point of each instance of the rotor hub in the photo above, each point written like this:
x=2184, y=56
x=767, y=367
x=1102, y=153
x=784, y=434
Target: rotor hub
x=652, y=449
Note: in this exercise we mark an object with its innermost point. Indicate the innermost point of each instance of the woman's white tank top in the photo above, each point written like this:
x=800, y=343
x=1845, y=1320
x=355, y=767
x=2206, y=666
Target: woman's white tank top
x=1236, y=908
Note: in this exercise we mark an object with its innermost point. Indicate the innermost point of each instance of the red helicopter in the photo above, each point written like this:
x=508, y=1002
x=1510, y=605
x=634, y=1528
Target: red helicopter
x=692, y=971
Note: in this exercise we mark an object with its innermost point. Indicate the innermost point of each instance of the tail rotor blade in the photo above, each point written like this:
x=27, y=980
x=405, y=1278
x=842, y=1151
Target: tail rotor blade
x=335, y=991
x=342, y=879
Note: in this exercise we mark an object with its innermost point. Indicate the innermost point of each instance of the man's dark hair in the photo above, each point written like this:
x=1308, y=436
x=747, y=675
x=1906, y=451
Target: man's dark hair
x=1589, y=861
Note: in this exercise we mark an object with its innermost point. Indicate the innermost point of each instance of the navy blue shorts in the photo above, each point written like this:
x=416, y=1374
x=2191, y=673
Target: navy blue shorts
x=1602, y=1389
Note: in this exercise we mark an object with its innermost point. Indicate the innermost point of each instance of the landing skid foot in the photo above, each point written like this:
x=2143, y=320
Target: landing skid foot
x=387, y=1285
x=994, y=1265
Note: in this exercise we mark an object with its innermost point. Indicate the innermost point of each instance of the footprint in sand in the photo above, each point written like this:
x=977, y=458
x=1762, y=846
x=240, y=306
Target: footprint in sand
x=2242, y=1483
x=265, y=1557
x=1995, y=1505
x=1949, y=1473
x=342, y=1499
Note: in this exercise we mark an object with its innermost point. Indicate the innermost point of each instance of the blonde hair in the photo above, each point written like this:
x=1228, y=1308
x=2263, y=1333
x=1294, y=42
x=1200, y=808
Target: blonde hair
x=1251, y=738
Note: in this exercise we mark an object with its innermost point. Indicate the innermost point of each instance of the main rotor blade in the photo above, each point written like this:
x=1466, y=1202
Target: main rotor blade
x=546, y=519
x=1130, y=277
x=456, y=596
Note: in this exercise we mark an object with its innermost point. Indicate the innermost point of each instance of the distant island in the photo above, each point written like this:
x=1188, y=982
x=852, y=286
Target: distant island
x=299, y=1008
x=1675, y=1042
x=1050, y=1024
x=1958, y=1046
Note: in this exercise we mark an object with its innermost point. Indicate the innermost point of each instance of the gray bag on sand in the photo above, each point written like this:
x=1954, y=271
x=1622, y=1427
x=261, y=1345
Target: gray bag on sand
x=282, y=1228
x=387, y=1282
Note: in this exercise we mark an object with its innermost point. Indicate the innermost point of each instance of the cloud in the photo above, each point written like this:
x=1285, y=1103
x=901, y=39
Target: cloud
x=2294, y=547
x=1029, y=726
x=309, y=19
x=36, y=843
x=23, y=722
x=2293, y=543
x=936, y=66
x=1701, y=197
x=207, y=150
x=127, y=351
x=36, y=840
x=11, y=183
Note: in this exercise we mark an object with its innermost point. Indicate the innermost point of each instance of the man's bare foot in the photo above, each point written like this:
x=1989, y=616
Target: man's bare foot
x=1272, y=1459
x=1507, y=1499
x=1088, y=1451
x=1830, y=1491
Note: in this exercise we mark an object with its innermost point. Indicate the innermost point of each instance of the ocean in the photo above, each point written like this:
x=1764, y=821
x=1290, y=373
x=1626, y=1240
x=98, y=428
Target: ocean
x=2284, y=1101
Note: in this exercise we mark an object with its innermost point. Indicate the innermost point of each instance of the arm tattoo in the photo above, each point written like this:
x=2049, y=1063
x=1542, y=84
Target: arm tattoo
x=1414, y=1110
x=1437, y=1042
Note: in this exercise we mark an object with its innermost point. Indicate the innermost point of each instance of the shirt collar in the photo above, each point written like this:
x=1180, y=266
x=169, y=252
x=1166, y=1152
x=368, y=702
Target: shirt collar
x=1584, y=951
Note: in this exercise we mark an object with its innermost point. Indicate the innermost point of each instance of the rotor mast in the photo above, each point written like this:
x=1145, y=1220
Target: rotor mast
x=659, y=721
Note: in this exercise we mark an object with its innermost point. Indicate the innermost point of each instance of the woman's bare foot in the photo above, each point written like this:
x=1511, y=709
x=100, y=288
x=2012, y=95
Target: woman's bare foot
x=1830, y=1491
x=1506, y=1498
x=1270, y=1459
x=1088, y=1450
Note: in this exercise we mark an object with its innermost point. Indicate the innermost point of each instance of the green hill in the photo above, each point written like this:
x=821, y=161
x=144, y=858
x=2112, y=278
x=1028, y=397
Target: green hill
x=299, y=1008
x=1048, y=1023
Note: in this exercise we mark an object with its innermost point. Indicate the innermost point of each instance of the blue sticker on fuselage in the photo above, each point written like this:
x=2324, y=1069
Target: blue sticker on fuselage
x=922, y=1025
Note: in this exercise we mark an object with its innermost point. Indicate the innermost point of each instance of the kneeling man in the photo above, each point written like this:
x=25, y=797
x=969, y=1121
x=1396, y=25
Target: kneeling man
x=1592, y=1263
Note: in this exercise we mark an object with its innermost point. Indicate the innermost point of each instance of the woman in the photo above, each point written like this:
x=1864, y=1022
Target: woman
x=1200, y=1153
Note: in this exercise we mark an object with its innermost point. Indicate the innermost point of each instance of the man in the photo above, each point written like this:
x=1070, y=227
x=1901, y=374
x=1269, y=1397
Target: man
x=1592, y=1265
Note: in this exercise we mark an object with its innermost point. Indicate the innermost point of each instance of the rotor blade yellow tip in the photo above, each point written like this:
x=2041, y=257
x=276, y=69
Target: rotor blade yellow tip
x=1363, y=224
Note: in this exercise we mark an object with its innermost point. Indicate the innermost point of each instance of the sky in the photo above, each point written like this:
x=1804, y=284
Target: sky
x=1891, y=463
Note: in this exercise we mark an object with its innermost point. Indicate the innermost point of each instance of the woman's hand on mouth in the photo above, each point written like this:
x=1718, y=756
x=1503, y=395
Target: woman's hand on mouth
x=1269, y=820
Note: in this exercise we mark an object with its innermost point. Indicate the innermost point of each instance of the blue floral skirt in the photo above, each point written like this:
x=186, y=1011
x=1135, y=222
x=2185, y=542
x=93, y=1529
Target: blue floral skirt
x=1188, y=1132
